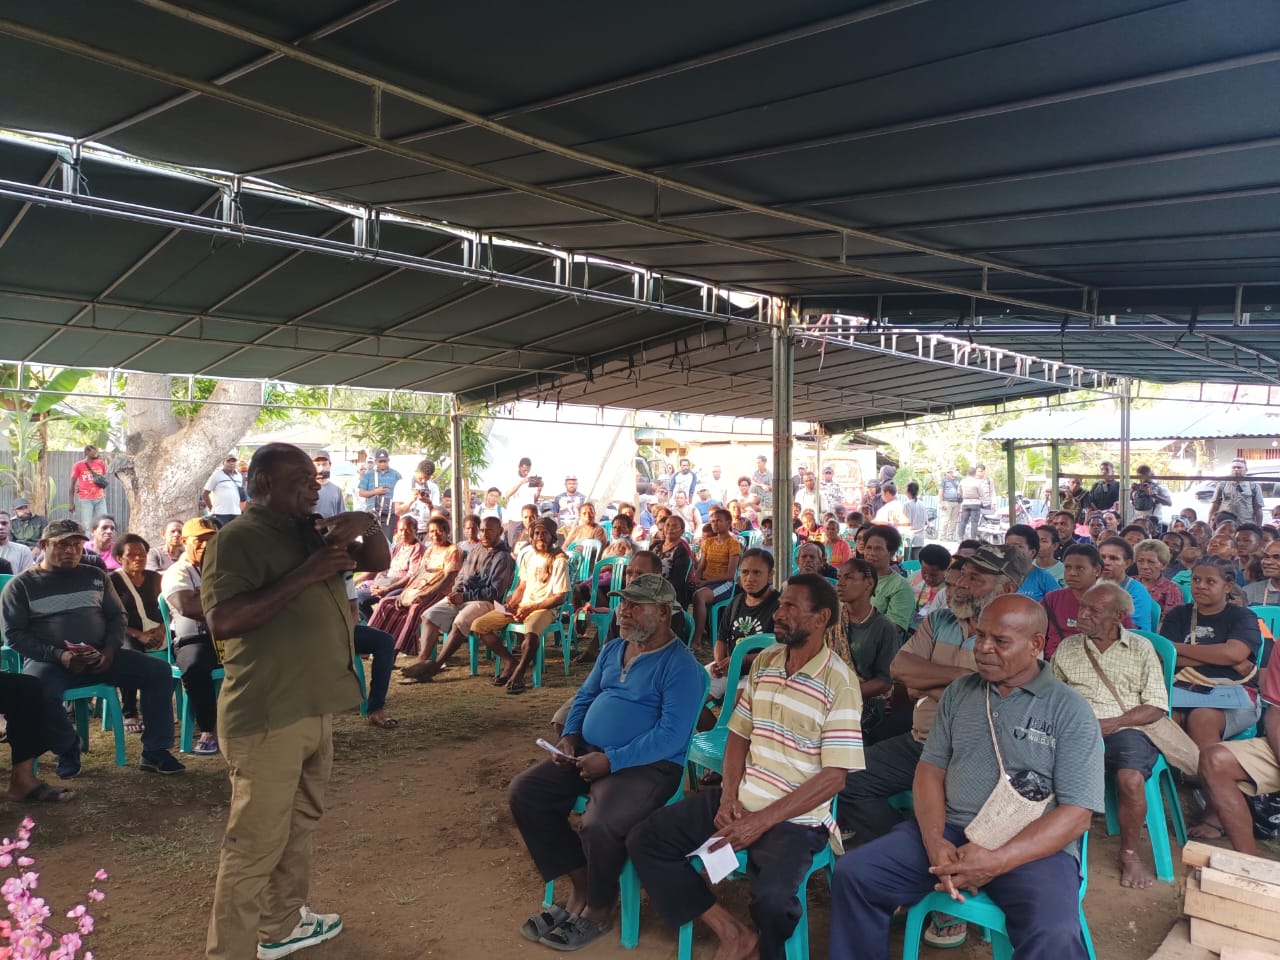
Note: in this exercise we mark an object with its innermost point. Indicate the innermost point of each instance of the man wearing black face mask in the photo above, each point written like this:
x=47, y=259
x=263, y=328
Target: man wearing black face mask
x=330, y=503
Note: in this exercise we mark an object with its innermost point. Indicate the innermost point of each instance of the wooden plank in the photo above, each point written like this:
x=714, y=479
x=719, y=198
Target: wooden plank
x=1197, y=854
x=1228, y=913
x=1230, y=952
x=1217, y=938
x=1177, y=945
x=1242, y=890
x=1243, y=865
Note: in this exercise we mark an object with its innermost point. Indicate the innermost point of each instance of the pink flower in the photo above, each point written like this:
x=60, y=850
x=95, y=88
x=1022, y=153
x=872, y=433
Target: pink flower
x=96, y=895
x=100, y=875
x=78, y=911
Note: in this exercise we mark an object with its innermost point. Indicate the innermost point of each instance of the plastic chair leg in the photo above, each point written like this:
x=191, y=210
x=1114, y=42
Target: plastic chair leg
x=113, y=714
x=1158, y=830
x=539, y=659
x=473, y=644
x=1111, y=805
x=358, y=664
x=629, y=886
x=82, y=722
x=684, y=941
x=1088, y=937
x=1175, y=806
x=549, y=895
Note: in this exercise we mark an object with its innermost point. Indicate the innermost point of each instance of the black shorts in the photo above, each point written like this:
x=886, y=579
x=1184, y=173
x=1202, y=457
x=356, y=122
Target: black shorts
x=1129, y=749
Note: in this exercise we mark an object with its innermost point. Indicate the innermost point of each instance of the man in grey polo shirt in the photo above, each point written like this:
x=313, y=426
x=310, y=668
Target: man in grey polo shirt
x=1044, y=727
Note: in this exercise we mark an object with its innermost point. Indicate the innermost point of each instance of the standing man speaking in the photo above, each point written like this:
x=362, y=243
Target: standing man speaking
x=273, y=596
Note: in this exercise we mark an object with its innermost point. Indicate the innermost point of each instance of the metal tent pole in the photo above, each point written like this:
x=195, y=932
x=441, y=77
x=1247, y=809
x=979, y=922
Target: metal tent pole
x=783, y=369
x=460, y=507
x=1011, y=478
x=1126, y=414
x=1055, y=494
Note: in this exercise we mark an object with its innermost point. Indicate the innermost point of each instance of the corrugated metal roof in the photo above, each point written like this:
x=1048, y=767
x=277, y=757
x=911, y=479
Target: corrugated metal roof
x=1174, y=420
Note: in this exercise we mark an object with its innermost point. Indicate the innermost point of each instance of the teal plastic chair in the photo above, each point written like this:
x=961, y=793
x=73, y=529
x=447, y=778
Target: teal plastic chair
x=1270, y=615
x=600, y=618
x=1183, y=579
x=578, y=567
x=473, y=642
x=10, y=659
x=797, y=945
x=910, y=566
x=1161, y=792
x=629, y=880
x=108, y=699
x=187, y=723
x=706, y=751
x=590, y=550
x=981, y=909
x=364, y=687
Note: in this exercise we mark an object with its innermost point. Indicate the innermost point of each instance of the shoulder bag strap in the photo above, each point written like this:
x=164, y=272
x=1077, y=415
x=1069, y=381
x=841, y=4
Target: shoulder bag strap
x=1106, y=681
x=995, y=741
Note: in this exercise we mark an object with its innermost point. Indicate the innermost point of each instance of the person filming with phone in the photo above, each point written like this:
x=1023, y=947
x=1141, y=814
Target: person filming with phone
x=68, y=624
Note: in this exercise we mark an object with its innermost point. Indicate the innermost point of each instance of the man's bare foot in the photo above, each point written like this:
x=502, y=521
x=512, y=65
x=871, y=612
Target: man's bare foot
x=742, y=945
x=380, y=719
x=1133, y=872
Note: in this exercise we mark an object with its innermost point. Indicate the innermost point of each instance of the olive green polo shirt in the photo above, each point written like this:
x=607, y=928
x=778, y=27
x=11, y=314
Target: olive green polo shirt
x=299, y=663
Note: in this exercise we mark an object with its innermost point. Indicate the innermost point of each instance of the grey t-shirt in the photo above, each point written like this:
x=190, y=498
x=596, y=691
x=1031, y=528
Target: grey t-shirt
x=873, y=645
x=1262, y=594
x=331, y=502
x=183, y=575
x=1043, y=726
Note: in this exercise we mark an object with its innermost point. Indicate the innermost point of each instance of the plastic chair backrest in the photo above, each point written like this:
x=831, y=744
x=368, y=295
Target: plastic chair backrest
x=910, y=566
x=579, y=569
x=168, y=631
x=751, y=644
x=1270, y=615
x=590, y=549
x=5, y=578
x=1168, y=658
x=619, y=567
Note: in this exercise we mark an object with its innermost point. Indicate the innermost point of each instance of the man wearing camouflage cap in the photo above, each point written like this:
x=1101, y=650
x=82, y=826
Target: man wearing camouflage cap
x=624, y=745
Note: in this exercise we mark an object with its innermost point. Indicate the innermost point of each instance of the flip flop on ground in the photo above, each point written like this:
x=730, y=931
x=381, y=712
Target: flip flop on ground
x=541, y=924
x=574, y=934
x=45, y=793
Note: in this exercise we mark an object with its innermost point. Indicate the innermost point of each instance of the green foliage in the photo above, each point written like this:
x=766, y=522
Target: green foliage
x=282, y=401
x=406, y=422
x=33, y=401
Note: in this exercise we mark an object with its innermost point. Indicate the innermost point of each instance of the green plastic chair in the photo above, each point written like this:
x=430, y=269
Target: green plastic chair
x=981, y=909
x=1160, y=789
x=473, y=643
x=797, y=945
x=187, y=723
x=629, y=880
x=910, y=566
x=588, y=549
x=1270, y=615
x=108, y=699
x=618, y=567
x=578, y=571
x=706, y=751
x=1183, y=579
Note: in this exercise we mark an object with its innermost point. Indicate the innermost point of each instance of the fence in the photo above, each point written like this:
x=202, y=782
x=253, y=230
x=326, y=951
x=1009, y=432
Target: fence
x=60, y=464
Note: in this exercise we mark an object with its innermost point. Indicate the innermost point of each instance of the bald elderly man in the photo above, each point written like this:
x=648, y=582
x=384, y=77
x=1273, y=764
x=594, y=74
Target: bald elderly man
x=1043, y=727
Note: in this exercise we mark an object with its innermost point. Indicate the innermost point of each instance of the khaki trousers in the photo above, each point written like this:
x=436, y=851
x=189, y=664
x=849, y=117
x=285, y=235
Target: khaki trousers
x=278, y=783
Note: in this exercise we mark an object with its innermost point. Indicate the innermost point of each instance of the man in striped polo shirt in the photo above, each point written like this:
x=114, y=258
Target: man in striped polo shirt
x=794, y=735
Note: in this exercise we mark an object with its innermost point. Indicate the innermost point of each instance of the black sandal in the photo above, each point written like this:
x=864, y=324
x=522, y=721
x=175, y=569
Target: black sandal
x=541, y=924
x=574, y=934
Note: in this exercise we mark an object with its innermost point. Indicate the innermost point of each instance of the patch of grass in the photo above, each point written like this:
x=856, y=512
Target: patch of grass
x=401, y=898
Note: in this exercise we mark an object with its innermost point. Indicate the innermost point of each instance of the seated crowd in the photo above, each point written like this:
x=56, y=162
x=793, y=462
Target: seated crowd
x=948, y=720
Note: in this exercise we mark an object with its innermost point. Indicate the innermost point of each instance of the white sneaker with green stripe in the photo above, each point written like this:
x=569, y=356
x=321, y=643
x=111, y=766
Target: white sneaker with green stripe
x=313, y=928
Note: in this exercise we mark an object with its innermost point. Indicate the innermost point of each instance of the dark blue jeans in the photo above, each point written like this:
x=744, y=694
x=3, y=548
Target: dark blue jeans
x=1040, y=899
x=150, y=675
x=382, y=647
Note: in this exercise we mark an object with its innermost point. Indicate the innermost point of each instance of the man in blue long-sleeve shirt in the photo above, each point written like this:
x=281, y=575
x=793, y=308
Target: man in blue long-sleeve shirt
x=625, y=740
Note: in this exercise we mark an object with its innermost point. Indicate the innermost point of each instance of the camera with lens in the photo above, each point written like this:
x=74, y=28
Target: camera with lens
x=534, y=481
x=423, y=491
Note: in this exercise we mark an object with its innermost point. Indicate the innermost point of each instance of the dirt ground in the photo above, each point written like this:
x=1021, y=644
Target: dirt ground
x=417, y=850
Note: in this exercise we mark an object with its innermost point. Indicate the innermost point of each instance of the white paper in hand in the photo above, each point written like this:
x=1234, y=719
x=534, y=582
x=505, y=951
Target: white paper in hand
x=718, y=863
x=552, y=749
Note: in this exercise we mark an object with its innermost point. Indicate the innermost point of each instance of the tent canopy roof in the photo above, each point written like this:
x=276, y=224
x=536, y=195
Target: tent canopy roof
x=1005, y=170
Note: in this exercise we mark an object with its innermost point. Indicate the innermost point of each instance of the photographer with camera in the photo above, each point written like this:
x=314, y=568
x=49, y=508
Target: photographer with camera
x=527, y=488
x=1147, y=496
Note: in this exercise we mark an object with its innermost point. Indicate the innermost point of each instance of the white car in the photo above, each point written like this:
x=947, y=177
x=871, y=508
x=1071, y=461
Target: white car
x=1199, y=497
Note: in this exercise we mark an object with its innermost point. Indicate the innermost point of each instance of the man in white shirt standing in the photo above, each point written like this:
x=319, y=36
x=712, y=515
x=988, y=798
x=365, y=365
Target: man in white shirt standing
x=224, y=492
x=18, y=555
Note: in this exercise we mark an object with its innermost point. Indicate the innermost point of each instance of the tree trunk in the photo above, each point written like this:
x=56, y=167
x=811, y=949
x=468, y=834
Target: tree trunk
x=167, y=461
